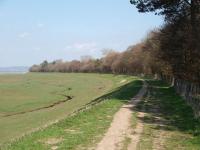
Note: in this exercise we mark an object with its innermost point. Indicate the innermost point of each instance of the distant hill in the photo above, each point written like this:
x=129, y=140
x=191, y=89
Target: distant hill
x=14, y=69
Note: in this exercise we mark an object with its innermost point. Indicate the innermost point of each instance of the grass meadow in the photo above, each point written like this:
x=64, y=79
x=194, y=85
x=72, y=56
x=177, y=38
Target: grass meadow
x=33, y=101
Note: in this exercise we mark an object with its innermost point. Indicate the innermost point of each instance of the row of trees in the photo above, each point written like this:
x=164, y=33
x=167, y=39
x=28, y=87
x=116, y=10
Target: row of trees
x=129, y=62
x=142, y=58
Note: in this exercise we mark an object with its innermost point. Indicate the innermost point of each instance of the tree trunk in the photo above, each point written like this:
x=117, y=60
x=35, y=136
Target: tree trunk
x=173, y=82
x=195, y=38
x=195, y=18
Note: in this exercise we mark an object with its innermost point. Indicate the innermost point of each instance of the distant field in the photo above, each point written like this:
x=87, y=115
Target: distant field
x=33, y=100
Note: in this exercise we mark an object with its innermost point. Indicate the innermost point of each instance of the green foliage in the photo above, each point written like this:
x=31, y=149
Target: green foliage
x=171, y=9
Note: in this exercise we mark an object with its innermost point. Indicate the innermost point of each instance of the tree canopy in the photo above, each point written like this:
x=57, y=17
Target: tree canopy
x=171, y=9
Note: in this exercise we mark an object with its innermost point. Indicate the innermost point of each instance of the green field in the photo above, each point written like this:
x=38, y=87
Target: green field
x=83, y=130
x=32, y=101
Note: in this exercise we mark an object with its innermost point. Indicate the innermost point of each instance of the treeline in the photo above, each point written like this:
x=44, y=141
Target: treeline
x=128, y=62
x=138, y=59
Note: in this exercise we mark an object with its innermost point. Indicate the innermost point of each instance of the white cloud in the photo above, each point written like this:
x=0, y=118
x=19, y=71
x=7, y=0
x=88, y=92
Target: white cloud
x=82, y=46
x=24, y=35
x=76, y=50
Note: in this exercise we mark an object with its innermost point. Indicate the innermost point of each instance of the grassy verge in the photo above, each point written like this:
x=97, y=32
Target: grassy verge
x=169, y=122
x=125, y=143
x=82, y=130
x=146, y=139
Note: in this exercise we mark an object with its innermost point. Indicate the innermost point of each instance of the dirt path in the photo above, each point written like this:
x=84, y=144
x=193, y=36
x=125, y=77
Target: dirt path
x=121, y=126
x=135, y=134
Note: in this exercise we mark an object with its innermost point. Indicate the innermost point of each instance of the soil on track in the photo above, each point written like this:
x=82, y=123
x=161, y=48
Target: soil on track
x=121, y=126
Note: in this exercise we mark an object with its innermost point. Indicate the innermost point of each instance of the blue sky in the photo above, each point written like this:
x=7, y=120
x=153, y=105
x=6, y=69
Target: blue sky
x=37, y=30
